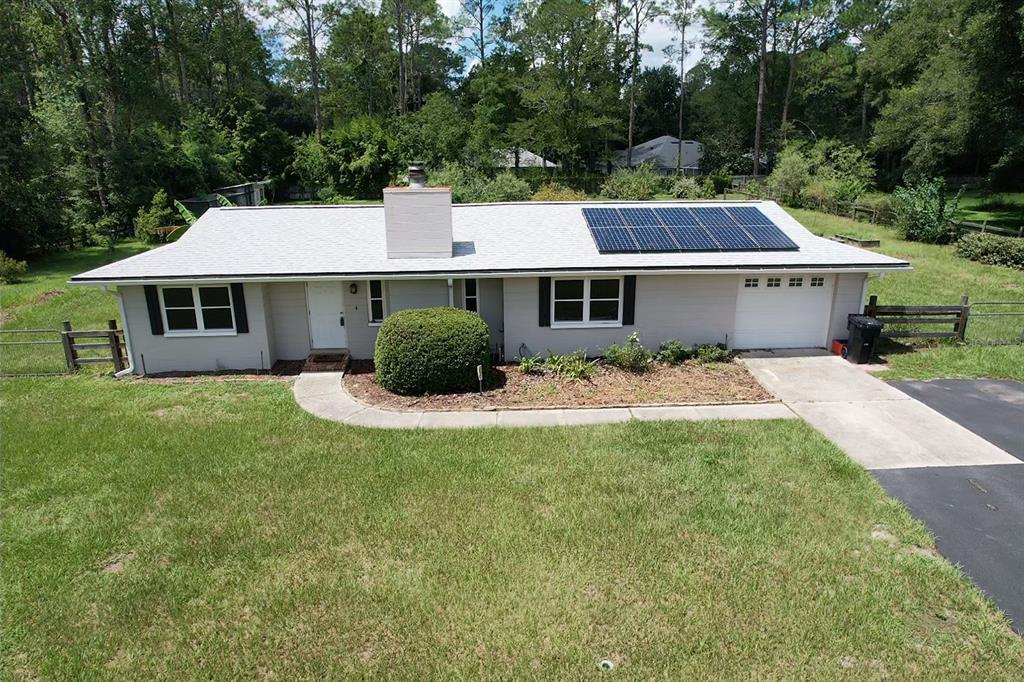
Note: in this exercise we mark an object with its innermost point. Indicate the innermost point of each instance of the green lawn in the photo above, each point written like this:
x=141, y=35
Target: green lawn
x=940, y=278
x=1001, y=208
x=214, y=530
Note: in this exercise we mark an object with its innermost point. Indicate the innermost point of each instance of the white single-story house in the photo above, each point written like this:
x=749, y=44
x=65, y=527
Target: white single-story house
x=245, y=287
x=662, y=153
x=524, y=158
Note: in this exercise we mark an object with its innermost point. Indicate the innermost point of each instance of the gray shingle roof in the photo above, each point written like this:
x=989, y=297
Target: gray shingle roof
x=305, y=241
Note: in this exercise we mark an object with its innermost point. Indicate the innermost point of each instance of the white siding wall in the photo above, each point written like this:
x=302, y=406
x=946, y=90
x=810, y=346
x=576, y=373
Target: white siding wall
x=691, y=308
x=288, y=328
x=398, y=295
x=158, y=353
x=848, y=299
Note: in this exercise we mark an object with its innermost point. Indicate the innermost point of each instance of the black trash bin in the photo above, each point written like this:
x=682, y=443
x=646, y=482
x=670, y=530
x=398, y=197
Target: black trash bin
x=864, y=333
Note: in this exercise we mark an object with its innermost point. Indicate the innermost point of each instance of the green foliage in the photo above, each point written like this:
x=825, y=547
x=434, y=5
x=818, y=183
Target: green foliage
x=431, y=350
x=791, y=175
x=149, y=220
x=223, y=201
x=573, y=366
x=554, y=191
x=880, y=201
x=922, y=212
x=673, y=352
x=992, y=249
x=829, y=174
x=531, y=364
x=356, y=159
x=188, y=216
x=436, y=134
x=471, y=186
x=106, y=231
x=688, y=187
x=709, y=353
x=632, y=184
x=11, y=269
x=630, y=355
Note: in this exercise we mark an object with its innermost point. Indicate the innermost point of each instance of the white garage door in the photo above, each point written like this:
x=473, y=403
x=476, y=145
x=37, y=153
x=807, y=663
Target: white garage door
x=783, y=311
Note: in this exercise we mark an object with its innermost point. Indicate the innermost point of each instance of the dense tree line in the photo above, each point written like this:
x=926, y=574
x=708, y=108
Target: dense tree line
x=106, y=102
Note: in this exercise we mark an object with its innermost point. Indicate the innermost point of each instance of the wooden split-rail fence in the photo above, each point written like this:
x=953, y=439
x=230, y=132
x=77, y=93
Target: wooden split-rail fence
x=907, y=319
x=81, y=347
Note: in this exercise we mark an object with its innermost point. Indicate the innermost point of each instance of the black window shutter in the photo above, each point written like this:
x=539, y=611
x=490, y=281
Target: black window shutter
x=628, y=299
x=156, y=322
x=544, y=302
x=241, y=317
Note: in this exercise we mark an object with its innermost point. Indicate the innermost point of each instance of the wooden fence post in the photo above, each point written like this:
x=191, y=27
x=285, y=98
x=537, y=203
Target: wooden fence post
x=965, y=313
x=70, y=357
x=115, y=346
x=869, y=309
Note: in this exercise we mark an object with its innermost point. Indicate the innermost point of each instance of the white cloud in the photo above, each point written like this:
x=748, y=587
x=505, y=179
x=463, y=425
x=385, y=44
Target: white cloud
x=451, y=8
x=659, y=35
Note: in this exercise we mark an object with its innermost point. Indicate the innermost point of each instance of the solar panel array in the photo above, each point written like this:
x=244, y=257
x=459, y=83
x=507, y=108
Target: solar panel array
x=700, y=228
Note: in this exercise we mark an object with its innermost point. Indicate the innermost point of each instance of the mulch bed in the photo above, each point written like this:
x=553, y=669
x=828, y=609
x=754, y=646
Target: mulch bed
x=686, y=384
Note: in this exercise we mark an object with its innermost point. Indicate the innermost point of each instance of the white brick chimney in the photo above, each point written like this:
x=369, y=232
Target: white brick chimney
x=418, y=219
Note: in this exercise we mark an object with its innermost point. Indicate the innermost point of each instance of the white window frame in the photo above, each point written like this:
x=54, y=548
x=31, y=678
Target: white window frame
x=586, y=322
x=773, y=283
x=751, y=282
x=796, y=282
x=197, y=306
x=369, y=303
x=476, y=296
x=817, y=281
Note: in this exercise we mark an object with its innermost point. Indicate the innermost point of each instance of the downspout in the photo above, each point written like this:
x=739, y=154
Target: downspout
x=451, y=293
x=130, y=369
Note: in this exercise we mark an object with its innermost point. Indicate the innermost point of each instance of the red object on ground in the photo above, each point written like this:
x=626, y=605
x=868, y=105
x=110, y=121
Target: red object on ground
x=838, y=345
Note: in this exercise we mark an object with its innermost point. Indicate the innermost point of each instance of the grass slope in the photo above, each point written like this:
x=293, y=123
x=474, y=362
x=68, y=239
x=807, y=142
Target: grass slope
x=1003, y=208
x=214, y=530
x=939, y=278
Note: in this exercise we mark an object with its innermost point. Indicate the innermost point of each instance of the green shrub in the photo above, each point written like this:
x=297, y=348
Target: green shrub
x=630, y=356
x=431, y=350
x=791, y=175
x=105, y=232
x=674, y=352
x=631, y=184
x=710, y=352
x=504, y=187
x=880, y=202
x=992, y=249
x=554, y=191
x=149, y=220
x=531, y=364
x=922, y=213
x=574, y=366
x=721, y=180
x=11, y=269
x=690, y=188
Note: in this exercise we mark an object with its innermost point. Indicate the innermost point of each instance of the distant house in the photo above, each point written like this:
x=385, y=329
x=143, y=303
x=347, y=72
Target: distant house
x=662, y=153
x=526, y=159
x=246, y=194
x=247, y=286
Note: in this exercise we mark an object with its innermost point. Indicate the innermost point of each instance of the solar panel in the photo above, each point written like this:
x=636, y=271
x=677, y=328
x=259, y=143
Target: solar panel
x=652, y=238
x=675, y=216
x=613, y=240
x=732, y=238
x=713, y=217
x=769, y=237
x=692, y=238
x=602, y=217
x=638, y=216
x=748, y=215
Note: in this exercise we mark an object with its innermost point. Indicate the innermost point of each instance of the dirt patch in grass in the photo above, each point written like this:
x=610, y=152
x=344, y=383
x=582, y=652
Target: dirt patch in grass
x=685, y=384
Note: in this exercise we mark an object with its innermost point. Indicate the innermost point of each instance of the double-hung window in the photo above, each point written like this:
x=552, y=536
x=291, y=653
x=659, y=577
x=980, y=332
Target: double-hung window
x=587, y=302
x=197, y=310
x=472, y=299
x=375, y=296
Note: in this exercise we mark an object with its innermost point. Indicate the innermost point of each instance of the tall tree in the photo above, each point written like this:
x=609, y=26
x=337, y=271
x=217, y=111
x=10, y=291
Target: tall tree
x=680, y=15
x=478, y=18
x=640, y=14
x=305, y=23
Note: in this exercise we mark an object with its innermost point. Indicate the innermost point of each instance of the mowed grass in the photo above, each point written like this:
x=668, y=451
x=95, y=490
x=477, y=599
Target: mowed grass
x=214, y=530
x=999, y=208
x=44, y=300
x=940, y=277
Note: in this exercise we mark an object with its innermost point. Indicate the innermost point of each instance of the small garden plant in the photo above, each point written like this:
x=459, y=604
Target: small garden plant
x=531, y=364
x=630, y=356
x=708, y=353
x=573, y=366
x=674, y=352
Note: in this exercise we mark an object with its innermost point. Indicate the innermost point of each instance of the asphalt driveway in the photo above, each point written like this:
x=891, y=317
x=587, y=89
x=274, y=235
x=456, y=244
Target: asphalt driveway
x=952, y=451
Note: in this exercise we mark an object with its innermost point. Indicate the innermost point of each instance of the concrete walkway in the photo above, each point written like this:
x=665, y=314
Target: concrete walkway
x=322, y=394
x=877, y=425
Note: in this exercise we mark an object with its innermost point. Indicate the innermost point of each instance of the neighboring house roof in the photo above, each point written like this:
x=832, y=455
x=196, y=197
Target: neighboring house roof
x=660, y=152
x=302, y=242
x=527, y=159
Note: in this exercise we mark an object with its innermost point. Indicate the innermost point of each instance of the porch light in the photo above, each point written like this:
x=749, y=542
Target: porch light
x=353, y=288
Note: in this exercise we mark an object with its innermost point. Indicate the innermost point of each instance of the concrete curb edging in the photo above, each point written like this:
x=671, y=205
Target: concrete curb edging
x=323, y=395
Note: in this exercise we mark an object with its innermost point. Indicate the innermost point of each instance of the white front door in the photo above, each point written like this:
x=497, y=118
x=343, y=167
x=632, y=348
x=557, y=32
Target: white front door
x=783, y=311
x=326, y=302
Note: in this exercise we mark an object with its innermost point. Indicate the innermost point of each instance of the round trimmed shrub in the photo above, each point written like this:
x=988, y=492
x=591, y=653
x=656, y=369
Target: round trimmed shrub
x=431, y=350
